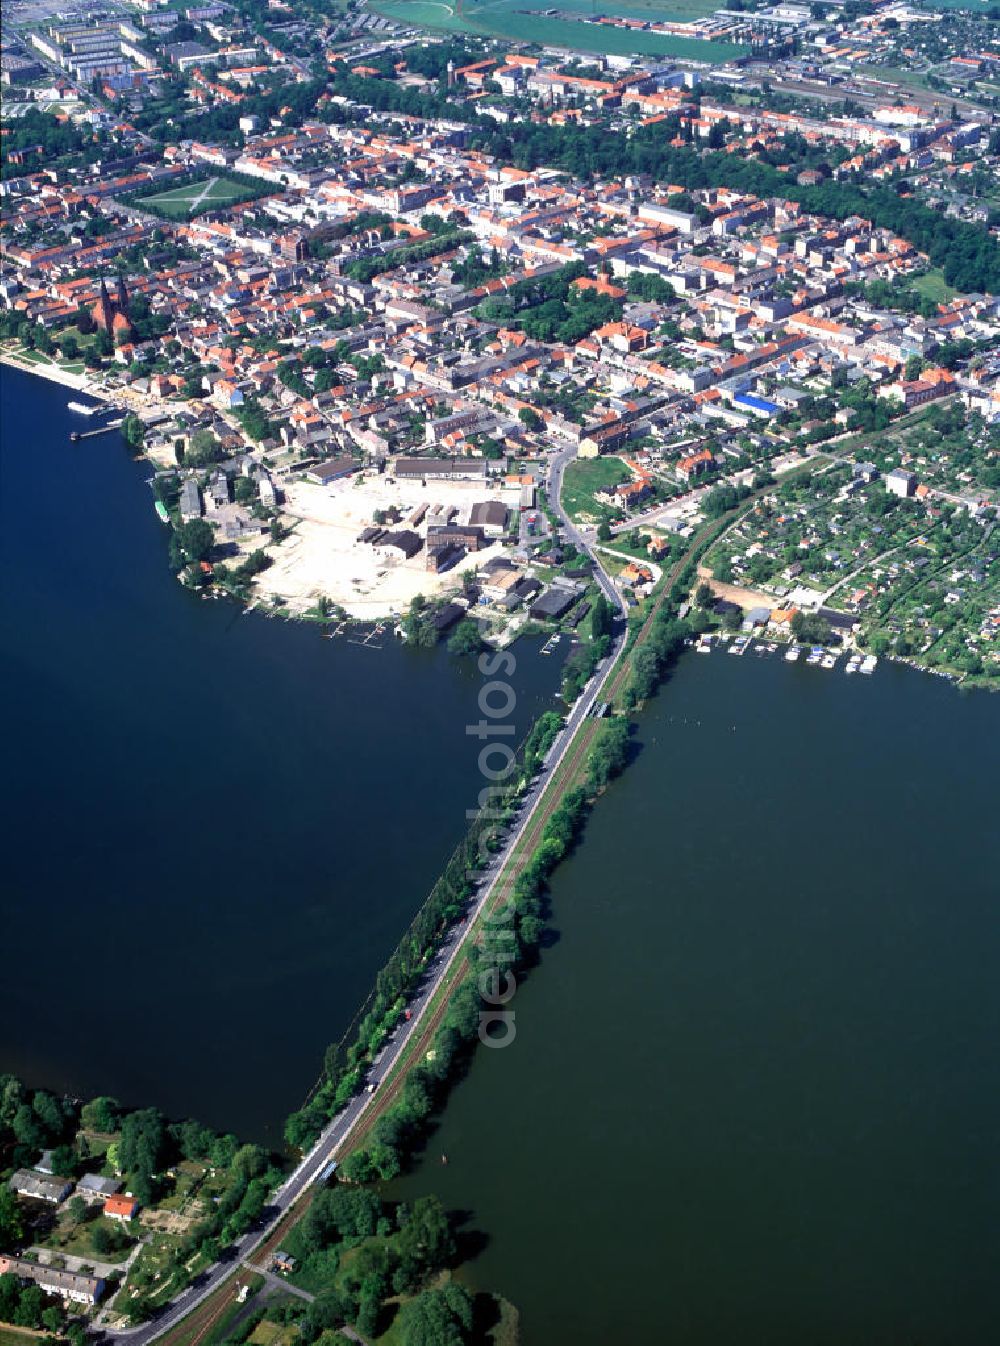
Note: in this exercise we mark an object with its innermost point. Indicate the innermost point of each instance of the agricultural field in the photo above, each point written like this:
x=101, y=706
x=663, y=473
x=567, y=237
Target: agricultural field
x=194, y=198
x=507, y=19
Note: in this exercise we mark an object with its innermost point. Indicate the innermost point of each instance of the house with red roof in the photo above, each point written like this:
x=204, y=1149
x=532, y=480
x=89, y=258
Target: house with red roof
x=124, y=1208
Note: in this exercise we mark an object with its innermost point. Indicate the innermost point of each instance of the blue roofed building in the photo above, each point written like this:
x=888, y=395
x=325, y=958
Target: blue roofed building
x=758, y=405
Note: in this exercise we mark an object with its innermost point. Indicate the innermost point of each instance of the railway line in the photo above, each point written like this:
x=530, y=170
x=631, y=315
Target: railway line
x=188, y=1319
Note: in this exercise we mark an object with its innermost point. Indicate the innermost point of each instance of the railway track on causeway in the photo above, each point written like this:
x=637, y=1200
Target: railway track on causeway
x=355, y=1122
x=567, y=772
x=570, y=772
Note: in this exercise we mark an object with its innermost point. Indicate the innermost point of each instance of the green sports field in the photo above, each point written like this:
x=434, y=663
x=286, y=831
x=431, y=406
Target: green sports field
x=973, y=6
x=501, y=18
x=194, y=198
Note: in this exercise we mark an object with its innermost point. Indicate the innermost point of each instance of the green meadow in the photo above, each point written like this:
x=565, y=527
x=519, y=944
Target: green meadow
x=196, y=197
x=505, y=18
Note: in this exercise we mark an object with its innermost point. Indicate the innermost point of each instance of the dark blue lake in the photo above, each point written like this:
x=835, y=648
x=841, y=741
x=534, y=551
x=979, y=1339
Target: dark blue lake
x=218, y=826
x=754, y=1094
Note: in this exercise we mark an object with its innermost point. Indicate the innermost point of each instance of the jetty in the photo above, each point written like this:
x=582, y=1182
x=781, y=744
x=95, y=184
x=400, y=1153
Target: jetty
x=100, y=430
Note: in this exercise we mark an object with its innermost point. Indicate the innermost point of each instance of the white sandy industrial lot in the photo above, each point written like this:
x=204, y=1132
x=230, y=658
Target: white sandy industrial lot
x=323, y=558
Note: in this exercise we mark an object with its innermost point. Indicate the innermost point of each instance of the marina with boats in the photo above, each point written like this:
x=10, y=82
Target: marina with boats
x=814, y=655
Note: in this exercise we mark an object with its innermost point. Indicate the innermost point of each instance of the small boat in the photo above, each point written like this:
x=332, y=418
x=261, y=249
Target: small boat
x=852, y=664
x=829, y=661
x=868, y=664
x=80, y=409
x=161, y=512
x=704, y=645
x=792, y=655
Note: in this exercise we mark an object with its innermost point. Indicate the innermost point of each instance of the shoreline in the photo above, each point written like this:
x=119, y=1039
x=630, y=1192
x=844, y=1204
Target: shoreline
x=964, y=682
x=54, y=373
x=665, y=599
x=121, y=399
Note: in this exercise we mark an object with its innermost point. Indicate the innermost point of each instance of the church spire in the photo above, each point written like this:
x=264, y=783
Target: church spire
x=104, y=311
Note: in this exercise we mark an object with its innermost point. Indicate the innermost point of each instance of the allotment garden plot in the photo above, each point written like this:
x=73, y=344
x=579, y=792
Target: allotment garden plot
x=919, y=575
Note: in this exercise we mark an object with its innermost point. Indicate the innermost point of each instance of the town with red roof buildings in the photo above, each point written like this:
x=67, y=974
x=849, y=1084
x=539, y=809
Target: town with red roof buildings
x=361, y=293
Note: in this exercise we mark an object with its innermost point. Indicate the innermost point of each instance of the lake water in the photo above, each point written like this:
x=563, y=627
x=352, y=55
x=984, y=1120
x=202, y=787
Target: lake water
x=217, y=826
x=754, y=1094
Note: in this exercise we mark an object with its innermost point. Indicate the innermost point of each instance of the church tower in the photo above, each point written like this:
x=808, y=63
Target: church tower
x=111, y=316
x=103, y=311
